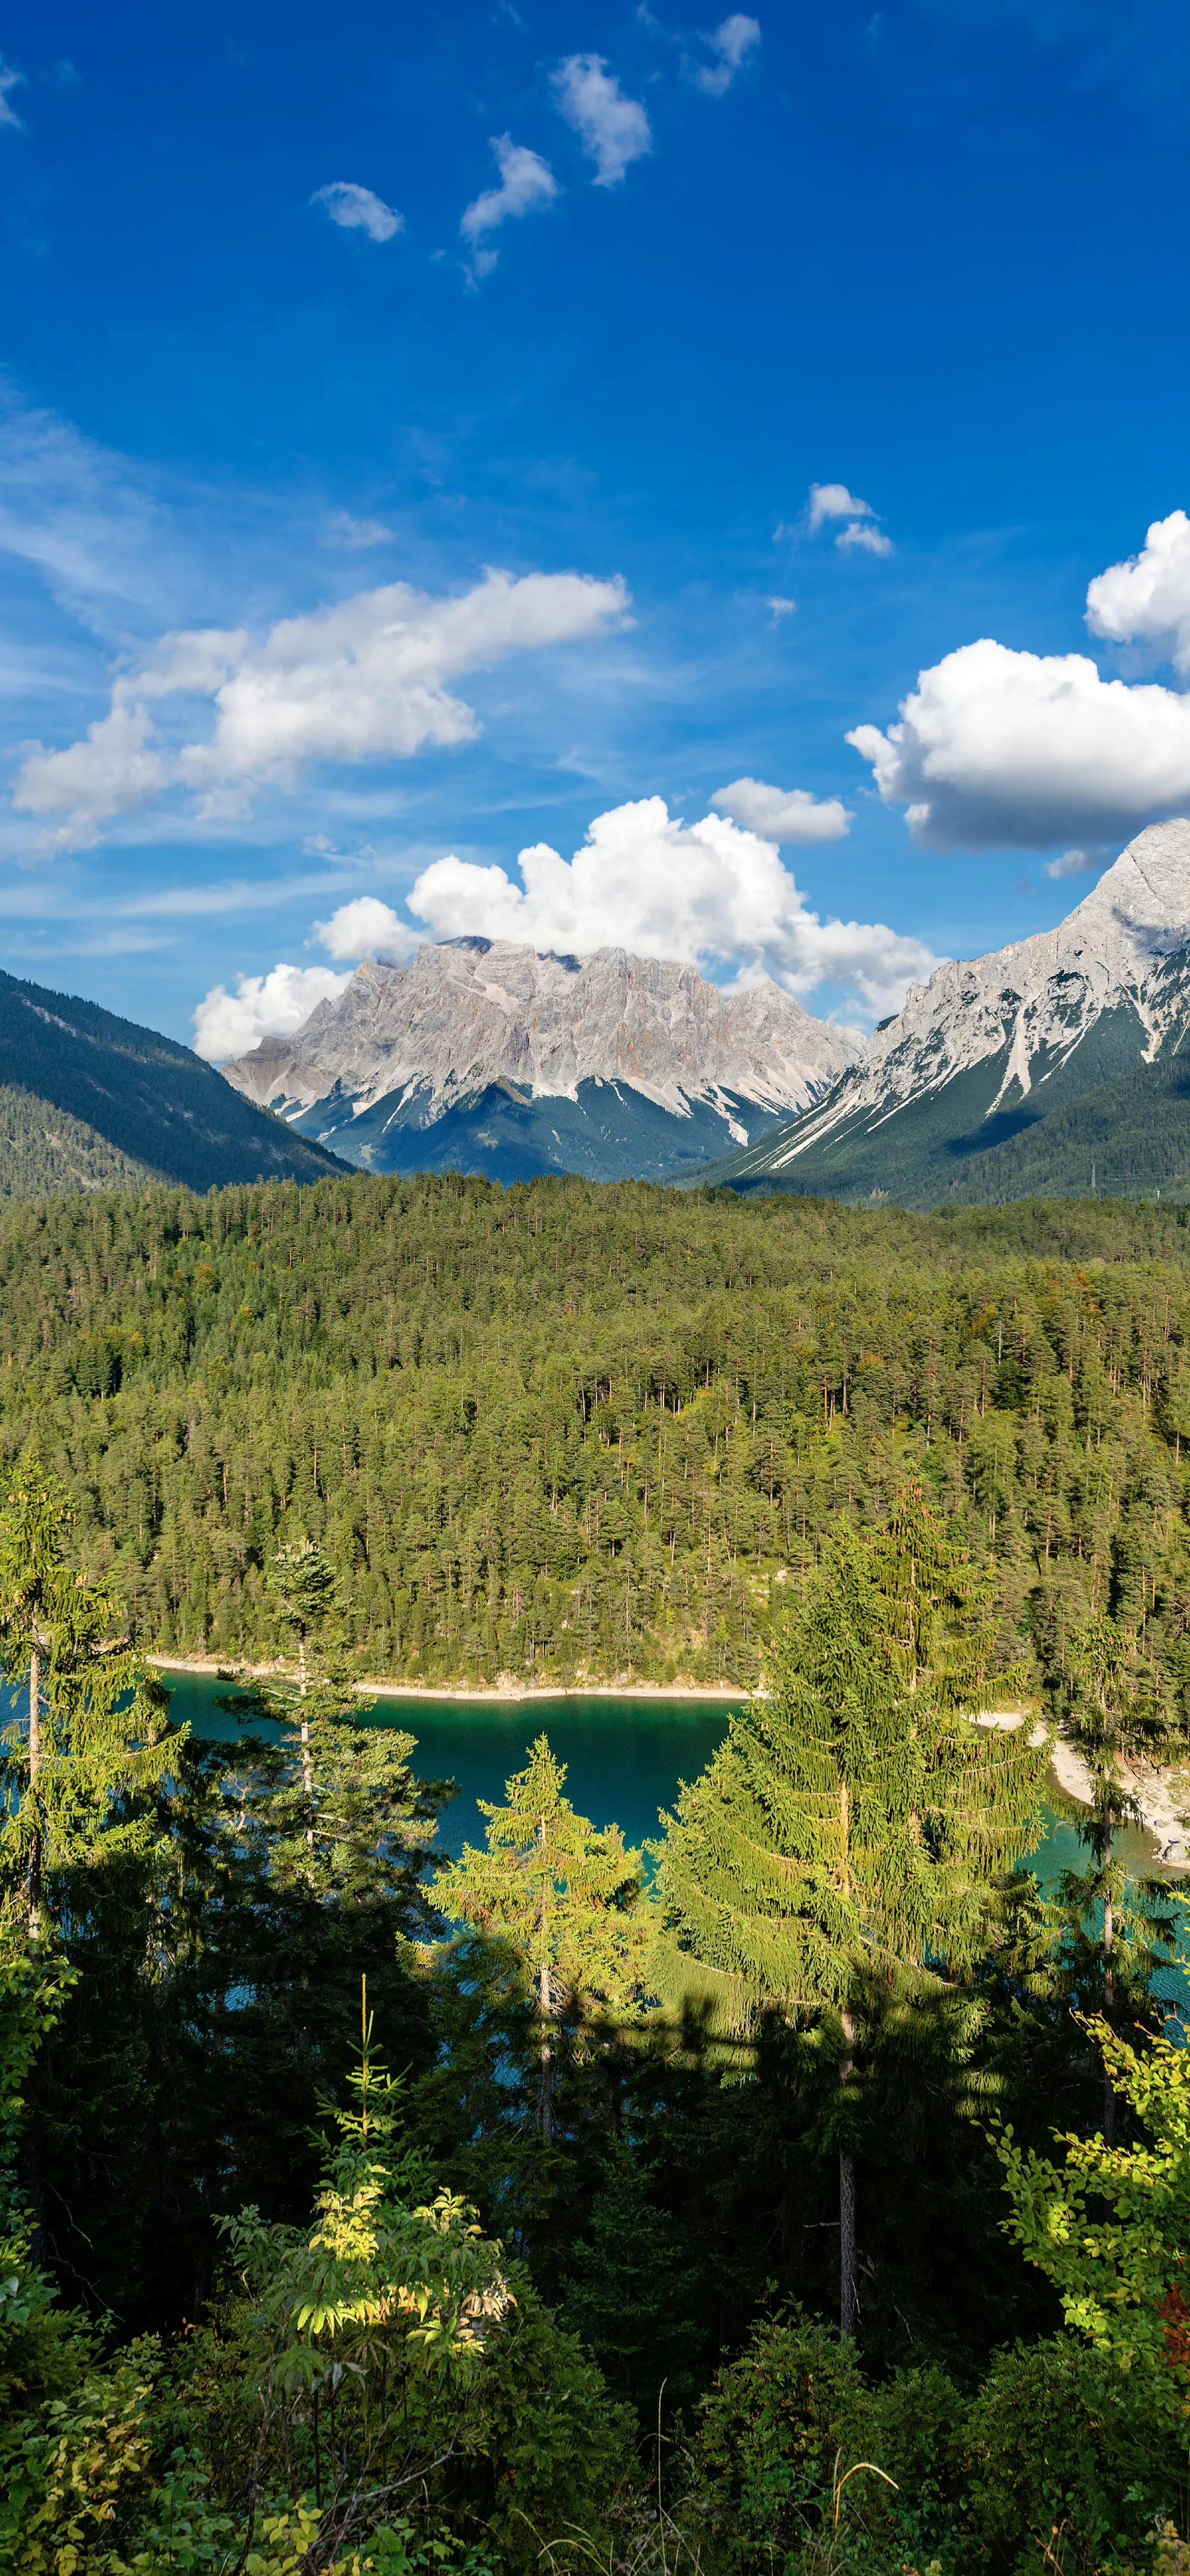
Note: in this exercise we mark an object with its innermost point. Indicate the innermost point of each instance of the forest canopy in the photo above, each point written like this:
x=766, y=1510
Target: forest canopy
x=573, y=1433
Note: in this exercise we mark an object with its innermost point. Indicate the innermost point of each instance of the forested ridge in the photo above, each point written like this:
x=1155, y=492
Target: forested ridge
x=88, y=1100
x=566, y=1432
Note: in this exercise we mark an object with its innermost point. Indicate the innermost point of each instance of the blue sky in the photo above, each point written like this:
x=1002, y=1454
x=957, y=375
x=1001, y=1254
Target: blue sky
x=930, y=259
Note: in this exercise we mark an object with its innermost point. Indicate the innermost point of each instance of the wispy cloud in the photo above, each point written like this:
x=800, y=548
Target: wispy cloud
x=613, y=130
x=729, y=46
x=861, y=536
x=527, y=183
x=10, y=79
x=79, y=517
x=358, y=209
x=357, y=534
x=862, y=533
x=833, y=501
x=1073, y=863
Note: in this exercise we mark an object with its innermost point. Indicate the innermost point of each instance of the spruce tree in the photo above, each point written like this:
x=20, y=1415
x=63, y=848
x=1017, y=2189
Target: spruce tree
x=323, y=1800
x=853, y=1826
x=566, y=1898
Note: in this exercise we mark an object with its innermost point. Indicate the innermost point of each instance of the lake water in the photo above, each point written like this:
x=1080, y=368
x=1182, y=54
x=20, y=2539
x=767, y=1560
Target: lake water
x=624, y=1757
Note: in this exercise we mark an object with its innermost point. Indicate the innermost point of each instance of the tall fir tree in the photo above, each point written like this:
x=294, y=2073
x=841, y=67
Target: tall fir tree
x=564, y=1897
x=83, y=1761
x=853, y=1826
x=303, y=1588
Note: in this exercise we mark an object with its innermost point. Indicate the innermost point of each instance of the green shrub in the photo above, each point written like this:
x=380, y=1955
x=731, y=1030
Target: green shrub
x=1067, y=2463
x=779, y=2426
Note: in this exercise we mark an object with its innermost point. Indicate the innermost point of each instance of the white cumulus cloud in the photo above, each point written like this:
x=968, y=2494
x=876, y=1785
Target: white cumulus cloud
x=1148, y=598
x=782, y=813
x=368, y=928
x=729, y=45
x=526, y=183
x=706, y=893
x=996, y=746
x=1033, y=749
x=365, y=680
x=262, y=1006
x=111, y=771
x=359, y=209
x=613, y=130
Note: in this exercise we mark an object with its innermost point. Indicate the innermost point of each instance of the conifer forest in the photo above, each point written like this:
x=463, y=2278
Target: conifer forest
x=806, y=2193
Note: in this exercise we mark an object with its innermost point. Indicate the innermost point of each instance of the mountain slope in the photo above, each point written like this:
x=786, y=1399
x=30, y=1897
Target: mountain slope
x=89, y=1101
x=1017, y=1070
x=482, y=1056
x=44, y=1151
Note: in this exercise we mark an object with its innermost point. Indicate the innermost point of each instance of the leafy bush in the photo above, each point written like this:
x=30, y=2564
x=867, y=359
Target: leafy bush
x=1067, y=2462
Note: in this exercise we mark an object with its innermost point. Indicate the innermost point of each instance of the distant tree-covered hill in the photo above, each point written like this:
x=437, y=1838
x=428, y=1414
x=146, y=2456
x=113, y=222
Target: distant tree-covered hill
x=90, y=1101
x=582, y=1433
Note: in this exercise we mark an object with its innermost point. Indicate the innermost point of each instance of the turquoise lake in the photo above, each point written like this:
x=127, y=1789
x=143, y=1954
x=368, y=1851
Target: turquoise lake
x=625, y=1757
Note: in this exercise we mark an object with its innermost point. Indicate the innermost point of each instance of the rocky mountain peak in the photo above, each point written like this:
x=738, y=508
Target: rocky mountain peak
x=993, y=1045
x=1040, y=996
x=468, y=1013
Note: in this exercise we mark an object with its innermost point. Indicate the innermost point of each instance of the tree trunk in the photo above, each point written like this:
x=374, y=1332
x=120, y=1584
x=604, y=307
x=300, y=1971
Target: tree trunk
x=307, y=1763
x=545, y=2105
x=848, y=2292
x=36, y=1869
x=545, y=2100
x=35, y=1847
x=1109, y=1975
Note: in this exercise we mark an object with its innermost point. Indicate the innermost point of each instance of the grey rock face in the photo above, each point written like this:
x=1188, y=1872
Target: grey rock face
x=474, y=1012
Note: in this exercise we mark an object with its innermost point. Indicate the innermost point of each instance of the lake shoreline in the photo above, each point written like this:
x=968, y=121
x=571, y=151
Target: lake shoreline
x=1160, y=1798
x=496, y=1695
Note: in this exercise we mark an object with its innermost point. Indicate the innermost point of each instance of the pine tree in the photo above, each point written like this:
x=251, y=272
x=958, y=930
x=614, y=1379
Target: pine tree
x=80, y=1772
x=566, y=1898
x=854, y=1824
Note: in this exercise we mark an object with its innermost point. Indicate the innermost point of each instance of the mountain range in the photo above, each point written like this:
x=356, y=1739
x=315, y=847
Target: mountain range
x=1053, y=1067
x=89, y=1102
x=484, y=1056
